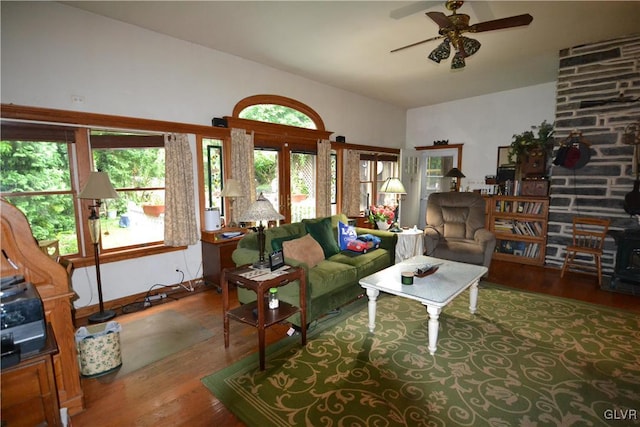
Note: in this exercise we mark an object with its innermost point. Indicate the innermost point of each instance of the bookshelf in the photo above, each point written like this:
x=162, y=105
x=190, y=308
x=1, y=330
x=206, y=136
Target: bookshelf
x=520, y=226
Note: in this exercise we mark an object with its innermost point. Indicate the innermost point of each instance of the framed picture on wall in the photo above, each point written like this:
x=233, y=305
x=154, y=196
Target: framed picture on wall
x=504, y=160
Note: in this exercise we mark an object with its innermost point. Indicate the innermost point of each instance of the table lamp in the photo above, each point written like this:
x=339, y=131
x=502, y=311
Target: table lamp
x=259, y=211
x=231, y=190
x=455, y=174
x=394, y=186
x=98, y=187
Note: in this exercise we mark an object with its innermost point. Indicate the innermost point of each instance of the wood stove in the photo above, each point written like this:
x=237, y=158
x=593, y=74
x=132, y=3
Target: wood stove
x=626, y=274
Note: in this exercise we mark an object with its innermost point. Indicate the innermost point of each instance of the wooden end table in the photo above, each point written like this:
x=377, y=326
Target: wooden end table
x=216, y=253
x=248, y=277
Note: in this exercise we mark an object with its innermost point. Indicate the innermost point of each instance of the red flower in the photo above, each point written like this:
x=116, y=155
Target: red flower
x=381, y=213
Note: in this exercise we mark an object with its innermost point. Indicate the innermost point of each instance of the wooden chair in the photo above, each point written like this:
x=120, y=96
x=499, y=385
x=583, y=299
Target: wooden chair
x=588, y=239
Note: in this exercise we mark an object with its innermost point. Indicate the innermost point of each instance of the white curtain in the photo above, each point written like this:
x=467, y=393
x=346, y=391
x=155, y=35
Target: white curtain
x=323, y=179
x=180, y=225
x=242, y=169
x=351, y=184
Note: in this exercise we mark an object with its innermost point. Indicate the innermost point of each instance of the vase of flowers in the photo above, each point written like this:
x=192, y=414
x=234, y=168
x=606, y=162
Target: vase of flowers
x=382, y=216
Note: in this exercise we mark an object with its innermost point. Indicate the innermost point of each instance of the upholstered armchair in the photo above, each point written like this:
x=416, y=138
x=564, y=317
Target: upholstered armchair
x=456, y=228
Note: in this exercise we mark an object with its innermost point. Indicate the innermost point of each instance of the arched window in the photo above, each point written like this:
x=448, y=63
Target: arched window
x=285, y=151
x=279, y=110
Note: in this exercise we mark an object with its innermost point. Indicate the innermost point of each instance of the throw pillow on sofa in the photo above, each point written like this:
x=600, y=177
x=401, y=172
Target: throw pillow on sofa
x=346, y=233
x=276, y=243
x=304, y=249
x=322, y=232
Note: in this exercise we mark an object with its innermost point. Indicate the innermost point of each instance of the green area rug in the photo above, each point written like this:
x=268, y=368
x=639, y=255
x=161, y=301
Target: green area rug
x=523, y=360
x=154, y=337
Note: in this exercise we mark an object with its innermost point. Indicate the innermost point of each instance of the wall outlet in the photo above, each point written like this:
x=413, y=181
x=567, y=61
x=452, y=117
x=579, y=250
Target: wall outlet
x=77, y=99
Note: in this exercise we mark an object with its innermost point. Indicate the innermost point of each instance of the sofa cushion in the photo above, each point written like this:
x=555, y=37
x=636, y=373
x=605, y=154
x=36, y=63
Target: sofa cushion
x=304, y=249
x=276, y=242
x=366, y=264
x=322, y=231
x=294, y=230
x=460, y=250
x=329, y=276
x=455, y=222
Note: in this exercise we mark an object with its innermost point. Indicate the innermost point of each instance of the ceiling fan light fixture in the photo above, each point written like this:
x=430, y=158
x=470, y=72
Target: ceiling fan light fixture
x=452, y=27
x=458, y=61
x=441, y=52
x=470, y=46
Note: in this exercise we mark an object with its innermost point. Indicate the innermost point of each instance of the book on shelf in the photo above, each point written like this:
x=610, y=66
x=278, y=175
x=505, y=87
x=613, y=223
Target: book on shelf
x=508, y=206
x=518, y=248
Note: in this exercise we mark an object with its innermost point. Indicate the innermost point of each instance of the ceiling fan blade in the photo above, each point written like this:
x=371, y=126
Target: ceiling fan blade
x=417, y=43
x=497, y=24
x=411, y=8
x=440, y=18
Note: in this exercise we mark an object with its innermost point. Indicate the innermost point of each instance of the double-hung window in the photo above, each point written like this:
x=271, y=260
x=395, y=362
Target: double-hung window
x=41, y=166
x=36, y=165
x=135, y=164
x=374, y=170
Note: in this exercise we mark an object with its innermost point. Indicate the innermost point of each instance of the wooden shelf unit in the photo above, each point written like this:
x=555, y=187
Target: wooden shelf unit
x=520, y=226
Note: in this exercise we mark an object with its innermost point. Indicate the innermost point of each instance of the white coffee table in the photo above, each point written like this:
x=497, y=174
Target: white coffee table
x=434, y=291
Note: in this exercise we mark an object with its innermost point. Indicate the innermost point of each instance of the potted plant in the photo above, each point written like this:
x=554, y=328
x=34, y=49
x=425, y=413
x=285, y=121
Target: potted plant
x=154, y=206
x=382, y=216
x=526, y=141
x=529, y=143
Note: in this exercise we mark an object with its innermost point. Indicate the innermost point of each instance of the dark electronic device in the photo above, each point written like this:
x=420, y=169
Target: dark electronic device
x=219, y=122
x=22, y=317
x=276, y=260
x=10, y=351
x=7, y=281
x=505, y=174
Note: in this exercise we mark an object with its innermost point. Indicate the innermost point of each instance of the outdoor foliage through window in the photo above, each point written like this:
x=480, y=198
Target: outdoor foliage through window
x=35, y=170
x=137, y=215
x=272, y=113
x=36, y=179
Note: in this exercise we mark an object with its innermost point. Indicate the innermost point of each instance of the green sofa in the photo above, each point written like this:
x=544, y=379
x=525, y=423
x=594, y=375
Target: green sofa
x=330, y=284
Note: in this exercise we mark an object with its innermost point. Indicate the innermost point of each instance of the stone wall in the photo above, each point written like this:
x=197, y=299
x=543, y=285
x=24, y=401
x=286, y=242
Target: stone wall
x=597, y=71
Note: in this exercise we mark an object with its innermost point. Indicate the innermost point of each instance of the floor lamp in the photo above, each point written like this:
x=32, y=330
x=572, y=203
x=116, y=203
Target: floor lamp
x=394, y=186
x=231, y=190
x=259, y=211
x=98, y=187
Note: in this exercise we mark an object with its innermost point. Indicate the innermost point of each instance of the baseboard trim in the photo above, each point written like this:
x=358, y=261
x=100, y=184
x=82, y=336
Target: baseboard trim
x=81, y=315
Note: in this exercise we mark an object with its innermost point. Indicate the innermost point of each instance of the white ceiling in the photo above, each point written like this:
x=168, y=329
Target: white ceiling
x=346, y=44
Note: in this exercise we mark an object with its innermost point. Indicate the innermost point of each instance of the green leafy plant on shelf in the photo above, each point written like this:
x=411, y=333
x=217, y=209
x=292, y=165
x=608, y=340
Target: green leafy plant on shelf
x=527, y=141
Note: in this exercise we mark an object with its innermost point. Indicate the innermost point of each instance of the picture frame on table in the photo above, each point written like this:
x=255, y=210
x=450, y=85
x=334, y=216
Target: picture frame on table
x=276, y=260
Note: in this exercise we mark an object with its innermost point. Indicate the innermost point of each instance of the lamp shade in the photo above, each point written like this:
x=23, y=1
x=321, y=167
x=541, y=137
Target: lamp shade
x=455, y=173
x=442, y=51
x=232, y=188
x=98, y=187
x=392, y=186
x=260, y=210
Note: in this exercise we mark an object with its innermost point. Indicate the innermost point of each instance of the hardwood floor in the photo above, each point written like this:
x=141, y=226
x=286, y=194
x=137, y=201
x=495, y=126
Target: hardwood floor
x=169, y=392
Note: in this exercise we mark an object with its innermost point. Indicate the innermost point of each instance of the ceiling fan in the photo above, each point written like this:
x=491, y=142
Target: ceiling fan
x=453, y=27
